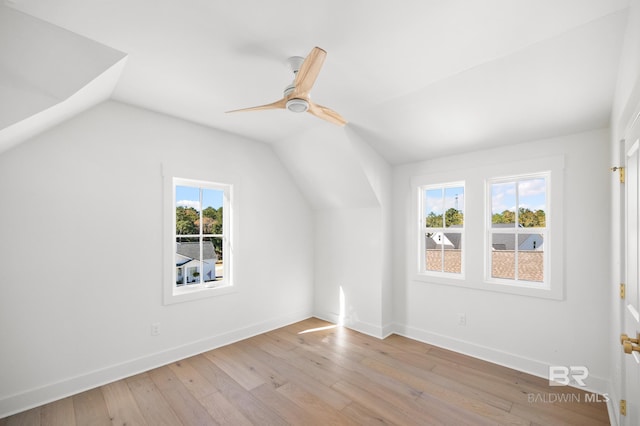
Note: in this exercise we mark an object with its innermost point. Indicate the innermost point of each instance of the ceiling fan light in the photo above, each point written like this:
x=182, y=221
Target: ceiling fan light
x=297, y=105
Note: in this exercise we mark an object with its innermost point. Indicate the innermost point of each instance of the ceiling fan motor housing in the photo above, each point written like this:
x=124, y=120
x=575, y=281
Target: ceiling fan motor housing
x=297, y=105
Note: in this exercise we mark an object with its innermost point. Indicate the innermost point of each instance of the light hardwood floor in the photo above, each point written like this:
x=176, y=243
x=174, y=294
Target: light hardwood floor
x=313, y=373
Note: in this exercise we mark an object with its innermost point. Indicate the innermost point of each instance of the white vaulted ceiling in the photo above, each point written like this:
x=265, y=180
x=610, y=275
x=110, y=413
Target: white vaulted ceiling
x=419, y=78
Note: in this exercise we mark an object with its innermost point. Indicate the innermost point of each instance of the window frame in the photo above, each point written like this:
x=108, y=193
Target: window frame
x=516, y=230
x=172, y=293
x=423, y=229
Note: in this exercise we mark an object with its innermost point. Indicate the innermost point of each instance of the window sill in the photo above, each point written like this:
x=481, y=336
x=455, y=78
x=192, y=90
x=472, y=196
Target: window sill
x=441, y=278
x=196, y=292
x=531, y=290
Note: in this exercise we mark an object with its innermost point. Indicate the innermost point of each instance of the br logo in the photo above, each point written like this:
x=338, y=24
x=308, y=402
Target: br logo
x=560, y=375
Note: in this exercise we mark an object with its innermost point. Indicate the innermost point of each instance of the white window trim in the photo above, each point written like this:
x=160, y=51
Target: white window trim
x=422, y=270
x=171, y=293
x=475, y=221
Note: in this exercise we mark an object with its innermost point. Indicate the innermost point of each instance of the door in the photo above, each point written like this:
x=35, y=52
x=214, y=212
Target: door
x=631, y=303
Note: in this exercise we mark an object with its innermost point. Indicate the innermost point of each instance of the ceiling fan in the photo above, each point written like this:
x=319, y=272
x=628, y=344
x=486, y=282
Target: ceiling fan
x=296, y=95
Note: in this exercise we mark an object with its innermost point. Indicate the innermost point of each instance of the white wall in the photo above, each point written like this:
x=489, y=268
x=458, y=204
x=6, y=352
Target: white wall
x=525, y=333
x=378, y=173
x=347, y=184
x=348, y=258
x=81, y=251
x=626, y=102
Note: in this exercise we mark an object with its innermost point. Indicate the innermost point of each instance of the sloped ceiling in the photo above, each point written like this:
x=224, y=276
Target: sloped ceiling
x=48, y=74
x=422, y=78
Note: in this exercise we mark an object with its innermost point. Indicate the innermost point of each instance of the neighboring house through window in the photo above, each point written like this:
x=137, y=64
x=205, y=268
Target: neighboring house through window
x=192, y=258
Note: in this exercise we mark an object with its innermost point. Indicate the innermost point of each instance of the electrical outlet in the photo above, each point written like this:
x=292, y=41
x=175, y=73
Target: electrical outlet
x=462, y=319
x=155, y=329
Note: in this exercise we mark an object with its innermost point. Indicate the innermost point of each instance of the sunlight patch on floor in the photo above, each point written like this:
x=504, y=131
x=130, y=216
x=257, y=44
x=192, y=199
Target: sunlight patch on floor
x=311, y=330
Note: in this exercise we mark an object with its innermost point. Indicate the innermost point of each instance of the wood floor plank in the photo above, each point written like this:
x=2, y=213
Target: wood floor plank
x=58, y=413
x=26, y=418
x=271, y=344
x=410, y=400
x=355, y=372
x=316, y=366
x=501, y=373
x=553, y=415
x=404, y=344
x=91, y=409
x=251, y=407
x=334, y=339
x=197, y=385
x=390, y=410
x=314, y=372
x=227, y=359
x=298, y=370
x=121, y=404
x=363, y=416
x=187, y=408
x=449, y=414
x=287, y=409
x=315, y=408
x=154, y=407
x=427, y=376
x=223, y=411
x=259, y=362
x=298, y=359
x=445, y=394
x=516, y=390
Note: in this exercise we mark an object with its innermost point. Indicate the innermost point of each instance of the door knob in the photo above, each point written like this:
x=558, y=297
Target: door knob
x=630, y=347
x=625, y=338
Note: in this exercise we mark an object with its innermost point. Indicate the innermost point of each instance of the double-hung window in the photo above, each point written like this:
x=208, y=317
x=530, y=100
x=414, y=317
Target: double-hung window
x=200, y=256
x=496, y=227
x=517, y=231
x=441, y=234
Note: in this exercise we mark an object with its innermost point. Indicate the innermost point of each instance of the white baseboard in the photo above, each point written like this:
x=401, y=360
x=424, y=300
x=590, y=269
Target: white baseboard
x=363, y=327
x=328, y=316
x=51, y=392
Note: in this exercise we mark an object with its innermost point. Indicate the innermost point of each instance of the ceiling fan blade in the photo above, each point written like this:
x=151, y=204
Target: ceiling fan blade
x=281, y=104
x=326, y=114
x=308, y=72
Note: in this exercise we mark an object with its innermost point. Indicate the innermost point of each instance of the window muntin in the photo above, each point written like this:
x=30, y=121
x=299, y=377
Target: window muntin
x=442, y=229
x=518, y=230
